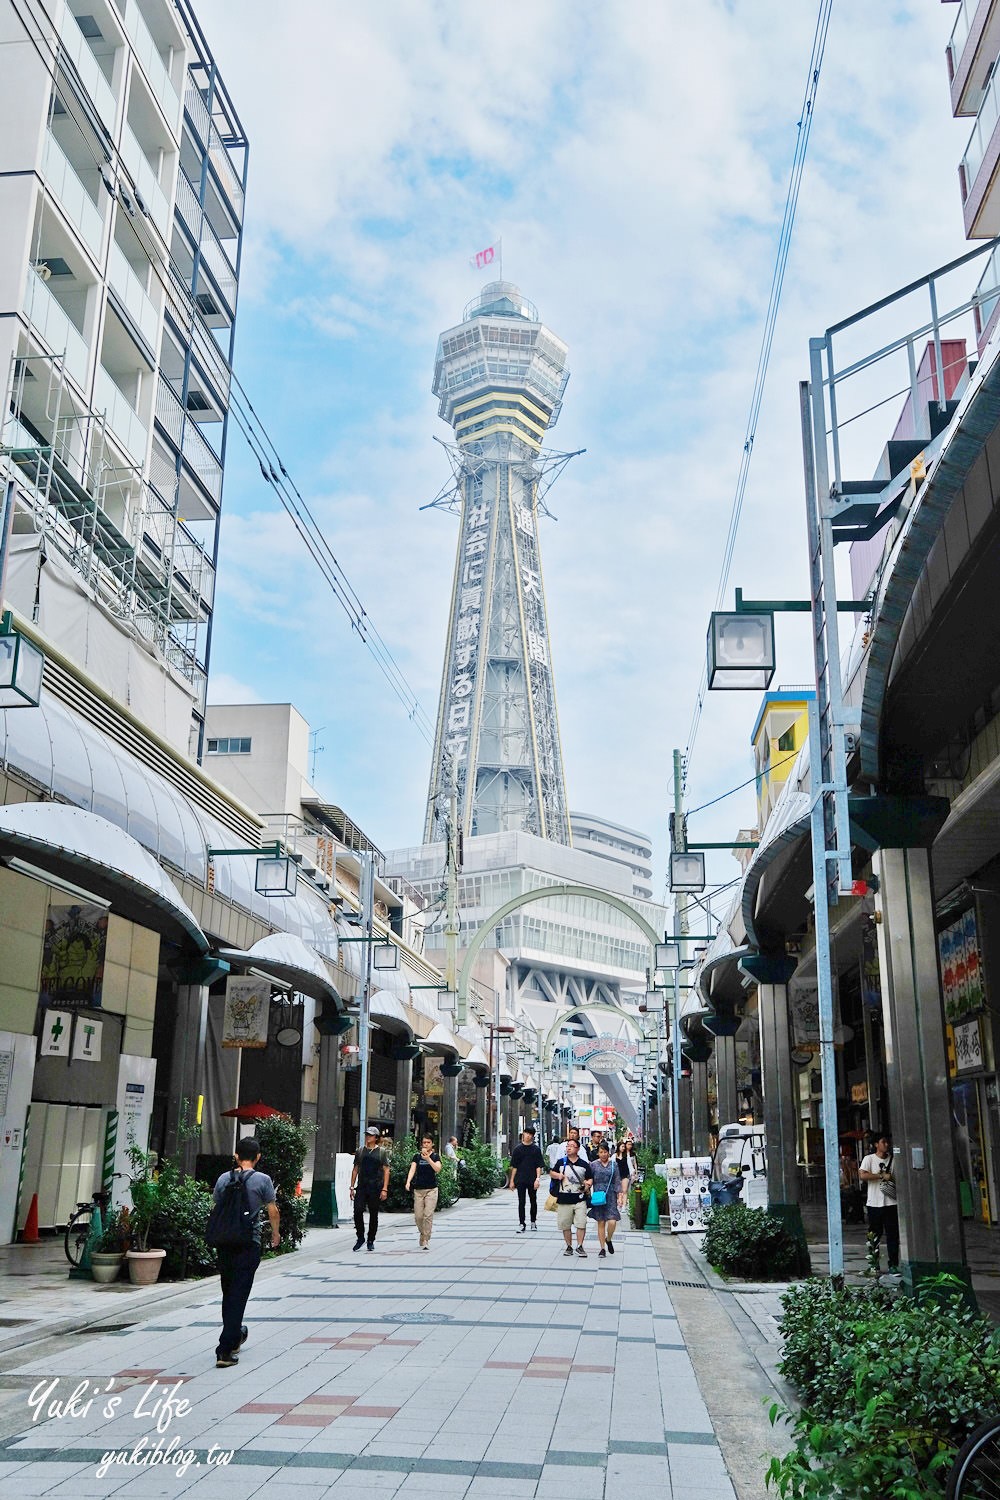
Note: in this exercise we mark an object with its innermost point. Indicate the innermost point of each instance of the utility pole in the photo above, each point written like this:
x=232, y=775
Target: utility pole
x=367, y=894
x=678, y=844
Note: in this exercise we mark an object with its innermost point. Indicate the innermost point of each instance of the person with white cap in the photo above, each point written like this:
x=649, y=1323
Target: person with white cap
x=369, y=1184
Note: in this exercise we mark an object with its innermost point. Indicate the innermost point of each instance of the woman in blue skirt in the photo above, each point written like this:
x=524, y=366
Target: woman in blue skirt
x=606, y=1199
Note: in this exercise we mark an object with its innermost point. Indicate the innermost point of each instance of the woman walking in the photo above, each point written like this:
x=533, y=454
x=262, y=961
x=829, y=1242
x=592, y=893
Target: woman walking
x=423, y=1175
x=626, y=1164
x=606, y=1198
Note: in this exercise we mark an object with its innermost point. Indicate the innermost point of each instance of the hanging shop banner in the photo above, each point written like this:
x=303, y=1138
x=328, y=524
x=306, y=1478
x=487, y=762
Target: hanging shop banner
x=73, y=949
x=87, y=1039
x=803, y=1005
x=961, y=969
x=604, y=1054
x=248, y=1000
x=969, y=1046
x=871, y=977
x=56, y=1028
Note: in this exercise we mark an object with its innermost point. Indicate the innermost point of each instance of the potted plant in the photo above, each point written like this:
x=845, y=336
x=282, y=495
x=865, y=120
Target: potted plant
x=108, y=1257
x=144, y=1264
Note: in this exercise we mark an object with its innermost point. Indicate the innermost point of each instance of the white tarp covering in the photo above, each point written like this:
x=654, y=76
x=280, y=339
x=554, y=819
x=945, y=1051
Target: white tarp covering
x=57, y=838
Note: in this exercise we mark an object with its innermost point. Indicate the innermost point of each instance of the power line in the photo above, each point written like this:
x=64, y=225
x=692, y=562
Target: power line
x=723, y=795
x=258, y=440
x=803, y=130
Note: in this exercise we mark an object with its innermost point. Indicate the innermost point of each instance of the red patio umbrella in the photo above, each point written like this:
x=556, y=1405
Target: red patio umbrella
x=254, y=1112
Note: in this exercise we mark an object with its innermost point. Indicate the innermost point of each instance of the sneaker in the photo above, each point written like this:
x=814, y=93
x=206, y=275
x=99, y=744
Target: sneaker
x=611, y=1248
x=534, y=1227
x=601, y=1254
x=425, y=1247
x=581, y=1251
x=521, y=1230
x=244, y=1335
x=359, y=1244
x=370, y=1249
x=225, y=1361
x=568, y=1250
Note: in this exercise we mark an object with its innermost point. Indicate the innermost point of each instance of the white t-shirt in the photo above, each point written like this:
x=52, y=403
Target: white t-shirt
x=558, y=1150
x=880, y=1195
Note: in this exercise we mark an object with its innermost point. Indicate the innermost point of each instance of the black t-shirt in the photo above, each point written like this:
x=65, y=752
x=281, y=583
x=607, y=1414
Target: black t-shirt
x=425, y=1175
x=371, y=1163
x=526, y=1161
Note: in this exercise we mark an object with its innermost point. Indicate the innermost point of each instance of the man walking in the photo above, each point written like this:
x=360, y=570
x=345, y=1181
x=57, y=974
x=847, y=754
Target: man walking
x=571, y=1203
x=422, y=1178
x=238, y=1263
x=558, y=1148
x=369, y=1185
x=883, y=1212
x=526, y=1163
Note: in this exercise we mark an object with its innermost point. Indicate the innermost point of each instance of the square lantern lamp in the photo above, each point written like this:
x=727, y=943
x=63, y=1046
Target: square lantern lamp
x=21, y=667
x=741, y=651
x=667, y=955
x=687, y=873
x=447, y=1000
x=385, y=956
x=276, y=876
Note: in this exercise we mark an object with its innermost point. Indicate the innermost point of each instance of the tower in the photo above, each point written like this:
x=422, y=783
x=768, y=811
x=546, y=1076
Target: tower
x=500, y=376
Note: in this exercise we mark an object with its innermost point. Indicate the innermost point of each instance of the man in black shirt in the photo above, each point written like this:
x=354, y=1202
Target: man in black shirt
x=369, y=1185
x=526, y=1163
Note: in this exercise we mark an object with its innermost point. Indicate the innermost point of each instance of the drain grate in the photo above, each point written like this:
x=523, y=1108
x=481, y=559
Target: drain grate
x=418, y=1317
x=104, y=1328
x=692, y=1286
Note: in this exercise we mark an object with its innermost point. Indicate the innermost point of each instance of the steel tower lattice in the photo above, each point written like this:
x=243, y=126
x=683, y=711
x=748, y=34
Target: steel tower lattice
x=500, y=376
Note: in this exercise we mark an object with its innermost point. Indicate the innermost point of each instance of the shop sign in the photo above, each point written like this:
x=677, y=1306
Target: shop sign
x=134, y=1102
x=961, y=970
x=56, y=1028
x=382, y=1107
x=248, y=1001
x=859, y=1093
x=73, y=950
x=968, y=1047
x=804, y=1007
x=604, y=1054
x=87, y=1039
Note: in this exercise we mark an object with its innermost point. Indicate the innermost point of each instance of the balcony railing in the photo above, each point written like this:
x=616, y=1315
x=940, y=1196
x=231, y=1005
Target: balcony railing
x=146, y=181
x=80, y=208
x=187, y=204
x=121, y=416
x=197, y=453
x=134, y=296
x=210, y=356
x=198, y=110
x=218, y=263
x=152, y=64
x=988, y=290
x=982, y=132
x=75, y=44
x=960, y=32
x=48, y=318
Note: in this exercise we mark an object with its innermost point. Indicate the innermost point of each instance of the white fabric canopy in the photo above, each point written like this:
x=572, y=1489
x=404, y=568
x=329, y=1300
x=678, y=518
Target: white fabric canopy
x=291, y=961
x=441, y=1039
x=389, y=1008
x=477, y=1057
x=82, y=847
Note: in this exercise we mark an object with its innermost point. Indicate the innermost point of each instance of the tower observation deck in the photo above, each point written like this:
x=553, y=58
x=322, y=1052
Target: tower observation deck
x=500, y=377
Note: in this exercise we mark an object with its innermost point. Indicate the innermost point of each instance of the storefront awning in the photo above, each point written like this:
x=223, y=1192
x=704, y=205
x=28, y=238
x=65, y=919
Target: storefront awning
x=387, y=1007
x=440, y=1039
x=290, y=961
x=477, y=1057
x=86, y=851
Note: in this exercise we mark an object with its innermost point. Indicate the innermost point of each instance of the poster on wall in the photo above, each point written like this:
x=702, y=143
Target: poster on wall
x=248, y=1001
x=87, y=1039
x=73, y=951
x=57, y=1026
x=803, y=1005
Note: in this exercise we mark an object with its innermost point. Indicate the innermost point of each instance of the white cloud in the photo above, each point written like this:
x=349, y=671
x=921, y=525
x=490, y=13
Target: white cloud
x=635, y=158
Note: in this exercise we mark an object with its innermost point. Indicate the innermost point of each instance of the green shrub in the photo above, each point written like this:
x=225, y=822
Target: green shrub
x=116, y=1232
x=890, y=1388
x=478, y=1175
x=178, y=1225
x=749, y=1242
x=654, y=1183
x=647, y=1158
x=283, y=1149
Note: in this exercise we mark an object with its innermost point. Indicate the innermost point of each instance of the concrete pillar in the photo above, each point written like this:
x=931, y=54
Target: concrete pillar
x=699, y=1108
x=404, y=1091
x=725, y=1079
x=919, y=1094
x=482, y=1101
x=687, y=1119
x=324, y=1210
x=186, y=1071
x=778, y=1088
x=449, y=1109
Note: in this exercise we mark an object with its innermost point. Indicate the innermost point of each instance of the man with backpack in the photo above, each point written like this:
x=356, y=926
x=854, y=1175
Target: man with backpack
x=234, y=1230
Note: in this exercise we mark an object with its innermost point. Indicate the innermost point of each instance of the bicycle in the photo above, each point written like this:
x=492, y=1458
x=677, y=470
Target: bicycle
x=975, y=1474
x=78, y=1227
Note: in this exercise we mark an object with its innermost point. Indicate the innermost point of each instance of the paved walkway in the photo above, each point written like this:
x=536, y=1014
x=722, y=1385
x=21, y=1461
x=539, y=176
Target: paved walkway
x=489, y=1366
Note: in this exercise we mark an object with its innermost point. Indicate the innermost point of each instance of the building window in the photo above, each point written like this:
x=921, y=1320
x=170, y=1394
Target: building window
x=231, y=746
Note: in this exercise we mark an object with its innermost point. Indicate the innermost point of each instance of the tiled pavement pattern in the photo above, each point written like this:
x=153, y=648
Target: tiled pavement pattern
x=490, y=1366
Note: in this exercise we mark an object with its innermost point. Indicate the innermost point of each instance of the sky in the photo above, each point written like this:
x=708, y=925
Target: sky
x=634, y=155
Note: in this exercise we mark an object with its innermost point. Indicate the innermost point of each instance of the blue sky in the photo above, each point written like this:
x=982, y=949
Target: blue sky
x=634, y=157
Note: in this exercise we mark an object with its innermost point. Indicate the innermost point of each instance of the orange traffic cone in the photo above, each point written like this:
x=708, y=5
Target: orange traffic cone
x=29, y=1234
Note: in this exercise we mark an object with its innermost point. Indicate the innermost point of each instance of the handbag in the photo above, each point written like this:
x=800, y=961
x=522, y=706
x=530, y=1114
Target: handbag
x=598, y=1198
x=551, y=1203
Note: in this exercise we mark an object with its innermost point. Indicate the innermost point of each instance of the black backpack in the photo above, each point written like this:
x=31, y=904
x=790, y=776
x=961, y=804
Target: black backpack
x=231, y=1222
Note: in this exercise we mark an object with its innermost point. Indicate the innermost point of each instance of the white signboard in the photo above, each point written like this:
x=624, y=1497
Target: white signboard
x=382, y=1107
x=87, y=1039
x=248, y=1000
x=6, y=1068
x=56, y=1028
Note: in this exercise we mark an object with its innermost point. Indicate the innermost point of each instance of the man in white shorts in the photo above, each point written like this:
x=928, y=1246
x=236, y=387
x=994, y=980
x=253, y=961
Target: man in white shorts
x=570, y=1175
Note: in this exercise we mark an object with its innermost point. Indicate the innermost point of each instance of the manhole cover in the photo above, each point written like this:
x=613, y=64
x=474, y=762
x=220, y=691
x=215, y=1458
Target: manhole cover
x=419, y=1317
